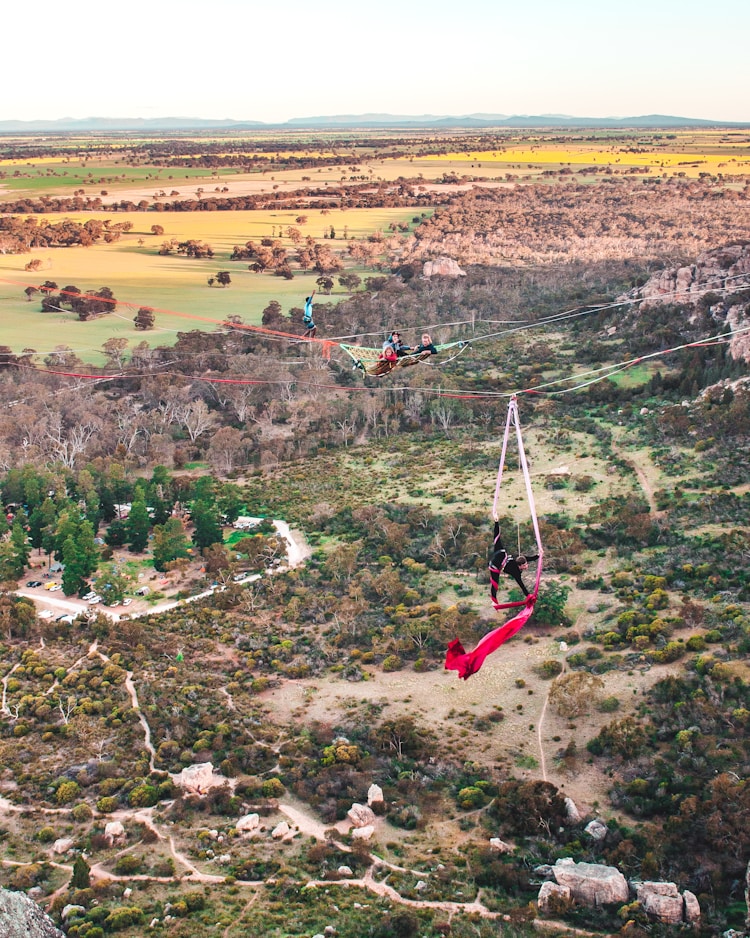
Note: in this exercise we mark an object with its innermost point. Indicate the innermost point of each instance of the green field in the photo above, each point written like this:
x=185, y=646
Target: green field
x=175, y=286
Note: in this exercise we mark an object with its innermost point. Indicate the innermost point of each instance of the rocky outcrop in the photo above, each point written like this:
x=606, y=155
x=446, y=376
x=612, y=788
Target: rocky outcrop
x=363, y=833
x=664, y=903
x=199, y=778
x=22, y=918
x=500, y=846
x=281, y=830
x=714, y=277
x=553, y=899
x=591, y=883
x=716, y=270
x=572, y=814
x=442, y=267
x=248, y=823
x=360, y=815
x=63, y=844
x=596, y=830
x=692, y=907
x=114, y=833
x=375, y=797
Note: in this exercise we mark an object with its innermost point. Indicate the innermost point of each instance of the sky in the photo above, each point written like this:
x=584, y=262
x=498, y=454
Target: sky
x=273, y=61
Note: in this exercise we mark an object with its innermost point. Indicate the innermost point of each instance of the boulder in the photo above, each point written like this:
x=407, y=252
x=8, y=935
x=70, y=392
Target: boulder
x=591, y=883
x=500, y=845
x=692, y=907
x=281, y=830
x=543, y=871
x=345, y=871
x=22, y=918
x=661, y=901
x=442, y=267
x=553, y=899
x=596, y=830
x=62, y=845
x=248, y=823
x=199, y=778
x=375, y=795
x=114, y=832
x=360, y=815
x=363, y=833
x=572, y=814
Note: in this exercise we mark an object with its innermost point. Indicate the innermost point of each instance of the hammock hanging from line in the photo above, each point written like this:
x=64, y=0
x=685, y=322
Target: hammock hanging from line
x=371, y=360
x=467, y=663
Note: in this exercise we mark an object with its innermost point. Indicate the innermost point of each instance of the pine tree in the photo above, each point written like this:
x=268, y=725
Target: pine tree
x=208, y=528
x=81, y=878
x=138, y=524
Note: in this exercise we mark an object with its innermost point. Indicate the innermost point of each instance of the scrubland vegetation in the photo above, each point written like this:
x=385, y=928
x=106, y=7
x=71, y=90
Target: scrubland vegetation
x=628, y=691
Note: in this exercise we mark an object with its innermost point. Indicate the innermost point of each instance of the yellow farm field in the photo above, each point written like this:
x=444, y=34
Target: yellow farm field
x=691, y=159
x=176, y=286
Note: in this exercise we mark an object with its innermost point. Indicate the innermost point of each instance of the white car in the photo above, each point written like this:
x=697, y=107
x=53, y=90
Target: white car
x=45, y=614
x=127, y=602
x=55, y=588
x=94, y=600
x=89, y=595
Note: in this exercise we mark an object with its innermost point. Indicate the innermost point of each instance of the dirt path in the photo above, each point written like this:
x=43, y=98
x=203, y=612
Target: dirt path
x=4, y=708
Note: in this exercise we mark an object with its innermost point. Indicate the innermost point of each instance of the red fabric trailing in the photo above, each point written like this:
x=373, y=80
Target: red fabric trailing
x=468, y=663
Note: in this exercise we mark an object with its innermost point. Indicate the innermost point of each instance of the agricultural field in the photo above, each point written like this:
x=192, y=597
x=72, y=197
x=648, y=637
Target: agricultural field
x=176, y=287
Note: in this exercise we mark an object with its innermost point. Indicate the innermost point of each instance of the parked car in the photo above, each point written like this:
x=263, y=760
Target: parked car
x=45, y=614
x=127, y=601
x=94, y=600
x=67, y=617
x=32, y=584
x=89, y=595
x=55, y=587
x=51, y=585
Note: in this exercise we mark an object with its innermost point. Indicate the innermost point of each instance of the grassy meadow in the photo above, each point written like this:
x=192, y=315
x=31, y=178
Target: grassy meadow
x=175, y=286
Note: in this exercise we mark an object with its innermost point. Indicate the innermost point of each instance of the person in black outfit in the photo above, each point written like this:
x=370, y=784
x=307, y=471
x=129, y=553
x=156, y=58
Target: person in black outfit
x=504, y=562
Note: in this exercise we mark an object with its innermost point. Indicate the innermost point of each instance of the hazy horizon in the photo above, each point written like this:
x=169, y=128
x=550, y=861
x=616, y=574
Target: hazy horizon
x=234, y=61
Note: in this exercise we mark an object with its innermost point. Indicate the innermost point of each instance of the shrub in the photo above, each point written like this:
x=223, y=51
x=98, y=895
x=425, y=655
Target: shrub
x=82, y=812
x=609, y=704
x=107, y=804
x=550, y=668
x=392, y=663
x=127, y=865
x=67, y=792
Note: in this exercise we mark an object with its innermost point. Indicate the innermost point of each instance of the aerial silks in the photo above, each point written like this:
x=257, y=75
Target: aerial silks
x=467, y=663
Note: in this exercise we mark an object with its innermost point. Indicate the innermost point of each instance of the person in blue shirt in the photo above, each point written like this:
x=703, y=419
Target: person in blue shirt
x=307, y=318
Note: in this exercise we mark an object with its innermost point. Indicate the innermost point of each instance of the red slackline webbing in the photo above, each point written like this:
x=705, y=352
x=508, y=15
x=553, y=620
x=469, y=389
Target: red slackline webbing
x=467, y=663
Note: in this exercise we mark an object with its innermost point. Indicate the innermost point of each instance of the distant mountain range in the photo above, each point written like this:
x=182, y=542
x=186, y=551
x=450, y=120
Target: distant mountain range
x=370, y=121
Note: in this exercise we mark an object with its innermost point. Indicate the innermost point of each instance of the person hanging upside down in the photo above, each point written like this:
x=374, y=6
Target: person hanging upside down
x=307, y=318
x=504, y=562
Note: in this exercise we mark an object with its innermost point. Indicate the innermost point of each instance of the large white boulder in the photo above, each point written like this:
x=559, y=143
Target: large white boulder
x=363, y=833
x=199, y=778
x=114, y=832
x=661, y=901
x=63, y=844
x=591, y=883
x=375, y=795
x=360, y=815
x=281, y=830
x=248, y=823
x=572, y=814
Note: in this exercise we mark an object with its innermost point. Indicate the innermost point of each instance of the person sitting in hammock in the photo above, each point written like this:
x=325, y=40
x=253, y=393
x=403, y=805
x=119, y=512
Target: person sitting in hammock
x=504, y=562
x=426, y=345
x=393, y=347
